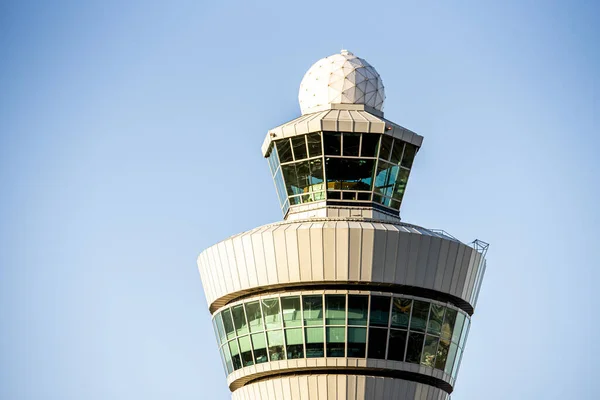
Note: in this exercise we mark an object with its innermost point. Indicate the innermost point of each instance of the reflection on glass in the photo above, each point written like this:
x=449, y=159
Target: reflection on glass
x=401, y=312
x=246, y=351
x=335, y=306
x=349, y=173
x=460, y=320
x=385, y=178
x=396, y=345
x=429, y=351
x=377, y=342
x=275, y=341
x=370, y=142
x=400, y=184
x=380, y=311
x=270, y=308
x=351, y=144
x=314, y=342
x=397, y=152
x=409, y=155
x=386, y=147
x=358, y=307
x=239, y=320
x=254, y=316
x=220, y=329
x=299, y=146
x=227, y=356
x=332, y=141
x=451, y=357
x=414, y=347
x=336, y=341
x=313, y=310
x=294, y=343
x=291, y=311
x=228, y=324
x=235, y=354
x=284, y=150
x=448, y=324
x=273, y=160
x=436, y=316
x=259, y=344
x=463, y=335
x=456, y=362
x=279, y=185
x=419, y=316
x=442, y=354
x=314, y=144
x=357, y=341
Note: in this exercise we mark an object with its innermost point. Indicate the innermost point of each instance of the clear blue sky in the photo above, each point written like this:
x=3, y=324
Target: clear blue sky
x=130, y=138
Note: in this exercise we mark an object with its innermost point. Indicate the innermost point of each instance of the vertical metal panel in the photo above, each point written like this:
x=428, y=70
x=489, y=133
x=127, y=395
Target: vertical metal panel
x=322, y=385
x=391, y=249
x=329, y=251
x=291, y=243
x=379, y=388
x=281, y=254
x=277, y=388
x=361, y=388
x=388, y=388
x=295, y=391
x=317, y=256
x=453, y=252
x=441, y=263
x=465, y=273
x=232, y=265
x=402, y=257
x=432, y=261
x=379, y=253
x=461, y=264
x=468, y=294
x=411, y=270
x=260, y=261
x=355, y=251
x=305, y=390
x=424, y=251
x=250, y=262
x=304, y=252
x=342, y=245
x=351, y=387
x=341, y=386
x=240, y=261
x=225, y=271
x=270, y=260
x=368, y=239
x=332, y=387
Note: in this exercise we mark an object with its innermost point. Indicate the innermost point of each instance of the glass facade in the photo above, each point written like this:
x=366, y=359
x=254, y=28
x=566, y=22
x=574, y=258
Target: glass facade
x=397, y=328
x=341, y=166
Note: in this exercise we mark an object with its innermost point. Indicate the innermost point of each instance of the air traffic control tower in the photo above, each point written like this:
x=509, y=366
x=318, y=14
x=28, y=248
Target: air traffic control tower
x=341, y=300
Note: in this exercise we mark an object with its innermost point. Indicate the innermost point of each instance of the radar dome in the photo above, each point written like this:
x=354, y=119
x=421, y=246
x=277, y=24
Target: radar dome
x=340, y=79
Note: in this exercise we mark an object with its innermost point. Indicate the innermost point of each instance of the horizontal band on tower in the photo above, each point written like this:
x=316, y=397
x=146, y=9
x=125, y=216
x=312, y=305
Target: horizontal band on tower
x=337, y=285
x=383, y=373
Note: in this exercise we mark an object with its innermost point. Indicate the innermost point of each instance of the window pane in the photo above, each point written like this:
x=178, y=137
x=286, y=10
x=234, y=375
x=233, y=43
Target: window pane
x=401, y=312
x=397, y=151
x=400, y=183
x=291, y=311
x=386, y=147
x=420, y=312
x=254, y=316
x=429, y=351
x=380, y=311
x=357, y=341
x=284, y=150
x=336, y=342
x=313, y=310
x=358, y=307
x=235, y=354
x=273, y=160
x=332, y=143
x=436, y=316
x=259, y=344
x=275, y=340
x=228, y=324
x=414, y=347
x=385, y=178
x=351, y=144
x=246, y=351
x=280, y=186
x=294, y=344
x=299, y=146
x=396, y=345
x=377, y=342
x=335, y=306
x=456, y=362
x=227, y=355
x=442, y=354
x=460, y=320
x=349, y=173
x=291, y=179
x=219, y=323
x=409, y=155
x=270, y=309
x=314, y=144
x=448, y=324
x=451, y=357
x=370, y=142
x=239, y=320
x=314, y=342
x=463, y=335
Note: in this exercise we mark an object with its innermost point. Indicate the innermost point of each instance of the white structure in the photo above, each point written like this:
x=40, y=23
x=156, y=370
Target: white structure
x=341, y=300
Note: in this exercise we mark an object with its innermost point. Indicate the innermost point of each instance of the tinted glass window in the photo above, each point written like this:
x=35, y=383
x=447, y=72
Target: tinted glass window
x=349, y=174
x=299, y=146
x=227, y=356
x=351, y=144
x=259, y=344
x=254, y=316
x=284, y=150
x=370, y=144
x=291, y=311
x=436, y=317
x=228, y=324
x=451, y=357
x=246, y=351
x=400, y=183
x=448, y=325
x=314, y=342
x=313, y=310
x=420, y=313
x=332, y=143
x=314, y=144
x=442, y=354
x=401, y=312
x=396, y=345
x=357, y=340
x=335, y=309
x=219, y=323
x=358, y=307
x=386, y=147
x=429, y=351
x=460, y=320
x=294, y=343
x=377, y=342
x=380, y=311
x=397, y=151
x=239, y=320
x=336, y=341
x=385, y=178
x=409, y=155
x=235, y=354
x=414, y=347
x=270, y=308
x=275, y=341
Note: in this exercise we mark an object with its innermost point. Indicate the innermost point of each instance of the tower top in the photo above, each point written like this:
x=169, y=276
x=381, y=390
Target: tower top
x=340, y=79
